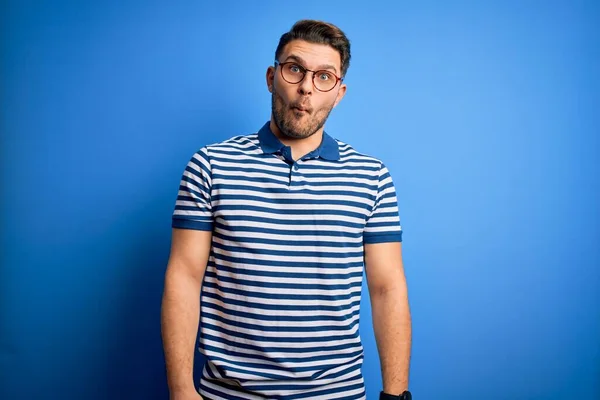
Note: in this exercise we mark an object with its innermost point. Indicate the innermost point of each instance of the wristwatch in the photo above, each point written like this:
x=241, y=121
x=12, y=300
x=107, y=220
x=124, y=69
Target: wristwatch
x=406, y=395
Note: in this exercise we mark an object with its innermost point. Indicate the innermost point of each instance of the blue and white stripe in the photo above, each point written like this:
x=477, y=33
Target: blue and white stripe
x=281, y=294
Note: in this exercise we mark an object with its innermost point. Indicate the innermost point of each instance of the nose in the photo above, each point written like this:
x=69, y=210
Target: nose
x=305, y=86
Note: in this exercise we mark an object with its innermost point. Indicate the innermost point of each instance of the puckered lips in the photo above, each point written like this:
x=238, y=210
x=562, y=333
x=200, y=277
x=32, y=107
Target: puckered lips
x=301, y=108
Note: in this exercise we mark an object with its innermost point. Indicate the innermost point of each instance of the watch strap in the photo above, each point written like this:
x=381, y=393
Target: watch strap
x=406, y=395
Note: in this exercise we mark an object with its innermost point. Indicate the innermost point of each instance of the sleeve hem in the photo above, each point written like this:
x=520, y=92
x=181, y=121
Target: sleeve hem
x=383, y=238
x=181, y=223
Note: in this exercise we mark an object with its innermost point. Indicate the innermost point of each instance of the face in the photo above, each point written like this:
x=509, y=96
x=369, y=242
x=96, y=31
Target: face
x=300, y=110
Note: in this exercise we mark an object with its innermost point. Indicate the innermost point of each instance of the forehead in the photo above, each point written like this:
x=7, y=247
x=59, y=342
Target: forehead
x=313, y=54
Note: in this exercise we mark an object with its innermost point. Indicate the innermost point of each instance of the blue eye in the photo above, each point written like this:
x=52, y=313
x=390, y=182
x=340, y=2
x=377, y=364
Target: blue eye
x=295, y=68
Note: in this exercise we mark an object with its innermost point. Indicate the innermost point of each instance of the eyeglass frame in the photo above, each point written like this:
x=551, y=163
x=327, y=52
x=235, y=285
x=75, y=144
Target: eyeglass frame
x=338, y=79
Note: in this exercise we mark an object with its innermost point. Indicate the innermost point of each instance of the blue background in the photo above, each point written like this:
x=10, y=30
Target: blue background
x=486, y=113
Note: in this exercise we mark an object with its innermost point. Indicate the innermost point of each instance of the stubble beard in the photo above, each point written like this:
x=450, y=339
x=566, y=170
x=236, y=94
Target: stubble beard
x=289, y=123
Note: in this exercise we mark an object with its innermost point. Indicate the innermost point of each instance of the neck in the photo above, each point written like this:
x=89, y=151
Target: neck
x=300, y=147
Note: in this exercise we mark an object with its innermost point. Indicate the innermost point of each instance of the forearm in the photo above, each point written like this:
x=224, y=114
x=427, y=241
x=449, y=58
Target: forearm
x=392, y=327
x=179, y=325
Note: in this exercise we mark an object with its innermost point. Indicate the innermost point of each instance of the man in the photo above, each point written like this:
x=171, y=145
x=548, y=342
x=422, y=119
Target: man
x=271, y=231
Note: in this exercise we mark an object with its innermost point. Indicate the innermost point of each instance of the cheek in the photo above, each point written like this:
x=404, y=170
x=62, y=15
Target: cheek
x=281, y=97
x=326, y=103
x=284, y=90
x=280, y=101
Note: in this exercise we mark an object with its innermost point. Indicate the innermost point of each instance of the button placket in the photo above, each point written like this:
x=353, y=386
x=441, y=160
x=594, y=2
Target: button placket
x=294, y=172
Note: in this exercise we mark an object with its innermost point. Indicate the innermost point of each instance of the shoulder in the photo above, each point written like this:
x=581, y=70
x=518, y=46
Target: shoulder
x=348, y=154
x=235, y=147
x=236, y=143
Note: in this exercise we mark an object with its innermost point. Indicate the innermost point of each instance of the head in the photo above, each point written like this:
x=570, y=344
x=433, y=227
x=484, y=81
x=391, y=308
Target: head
x=299, y=110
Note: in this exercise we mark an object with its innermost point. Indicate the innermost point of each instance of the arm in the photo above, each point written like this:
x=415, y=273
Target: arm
x=181, y=307
x=390, y=311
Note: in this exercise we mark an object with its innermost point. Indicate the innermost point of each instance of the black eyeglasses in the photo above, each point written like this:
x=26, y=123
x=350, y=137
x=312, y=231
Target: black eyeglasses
x=293, y=73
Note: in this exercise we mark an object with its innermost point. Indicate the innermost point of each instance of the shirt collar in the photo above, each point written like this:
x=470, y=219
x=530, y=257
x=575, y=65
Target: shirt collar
x=269, y=143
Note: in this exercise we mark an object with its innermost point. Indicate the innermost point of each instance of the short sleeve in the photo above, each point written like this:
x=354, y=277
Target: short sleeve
x=383, y=224
x=193, y=208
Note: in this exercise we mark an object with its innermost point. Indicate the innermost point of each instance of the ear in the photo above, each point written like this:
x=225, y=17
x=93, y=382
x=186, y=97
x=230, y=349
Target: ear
x=270, y=78
x=340, y=95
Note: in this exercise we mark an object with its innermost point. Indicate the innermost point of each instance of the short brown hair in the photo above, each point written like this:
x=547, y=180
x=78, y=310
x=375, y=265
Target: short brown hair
x=318, y=32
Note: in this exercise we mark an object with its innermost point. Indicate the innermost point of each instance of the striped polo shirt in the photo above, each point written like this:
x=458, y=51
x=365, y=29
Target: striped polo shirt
x=281, y=293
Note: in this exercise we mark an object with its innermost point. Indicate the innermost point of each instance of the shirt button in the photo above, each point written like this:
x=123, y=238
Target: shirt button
x=295, y=167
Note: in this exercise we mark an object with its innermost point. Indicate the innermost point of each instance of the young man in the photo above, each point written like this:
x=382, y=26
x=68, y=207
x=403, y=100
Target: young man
x=271, y=230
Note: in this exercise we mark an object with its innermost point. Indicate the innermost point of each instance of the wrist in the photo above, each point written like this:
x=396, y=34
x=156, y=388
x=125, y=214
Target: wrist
x=182, y=389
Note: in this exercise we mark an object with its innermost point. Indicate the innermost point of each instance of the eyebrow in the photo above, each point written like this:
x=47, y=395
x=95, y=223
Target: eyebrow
x=301, y=61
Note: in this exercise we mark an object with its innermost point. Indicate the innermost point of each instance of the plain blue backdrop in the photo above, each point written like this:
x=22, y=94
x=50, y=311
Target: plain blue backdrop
x=486, y=113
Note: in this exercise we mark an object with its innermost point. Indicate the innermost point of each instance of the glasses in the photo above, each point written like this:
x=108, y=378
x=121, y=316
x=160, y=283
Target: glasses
x=293, y=73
